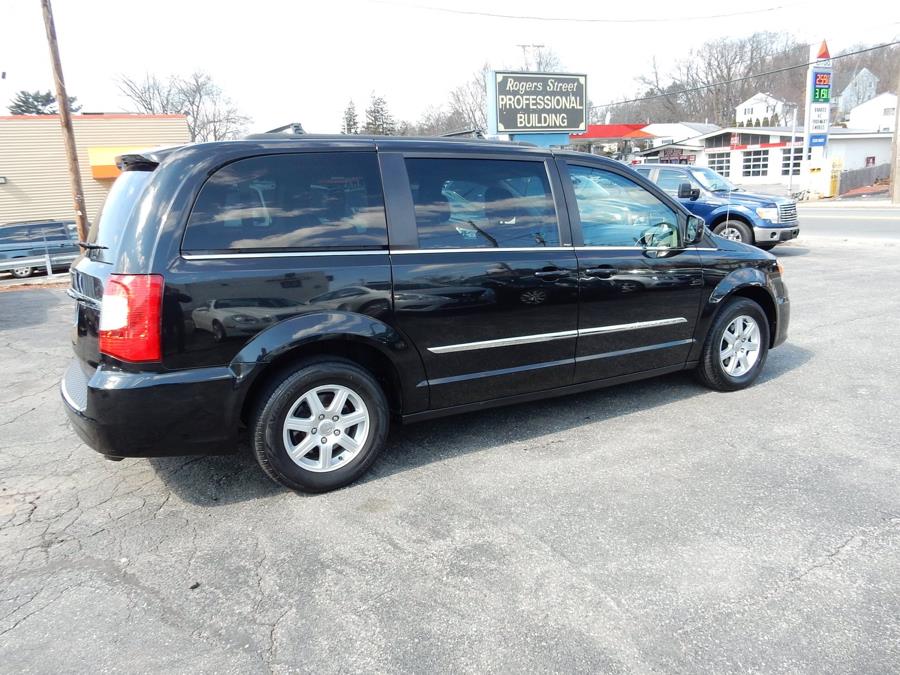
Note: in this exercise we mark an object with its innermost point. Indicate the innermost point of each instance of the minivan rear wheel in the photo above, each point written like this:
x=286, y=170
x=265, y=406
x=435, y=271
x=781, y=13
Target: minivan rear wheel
x=736, y=347
x=320, y=425
x=734, y=230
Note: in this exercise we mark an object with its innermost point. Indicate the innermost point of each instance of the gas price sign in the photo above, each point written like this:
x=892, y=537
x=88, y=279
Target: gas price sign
x=821, y=92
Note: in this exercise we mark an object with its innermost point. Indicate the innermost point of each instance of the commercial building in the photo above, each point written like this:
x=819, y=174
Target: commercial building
x=768, y=155
x=34, y=178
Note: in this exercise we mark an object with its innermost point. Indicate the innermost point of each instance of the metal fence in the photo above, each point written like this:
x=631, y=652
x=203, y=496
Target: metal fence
x=850, y=180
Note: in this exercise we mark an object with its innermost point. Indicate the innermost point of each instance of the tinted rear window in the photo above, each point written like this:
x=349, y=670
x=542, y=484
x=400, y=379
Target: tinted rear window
x=482, y=203
x=291, y=202
x=108, y=228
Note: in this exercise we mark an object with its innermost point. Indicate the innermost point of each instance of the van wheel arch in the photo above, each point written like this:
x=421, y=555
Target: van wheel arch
x=762, y=298
x=358, y=353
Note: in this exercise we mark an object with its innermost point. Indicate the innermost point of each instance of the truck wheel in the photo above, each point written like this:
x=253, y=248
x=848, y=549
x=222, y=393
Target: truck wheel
x=22, y=272
x=735, y=230
x=319, y=426
x=736, y=347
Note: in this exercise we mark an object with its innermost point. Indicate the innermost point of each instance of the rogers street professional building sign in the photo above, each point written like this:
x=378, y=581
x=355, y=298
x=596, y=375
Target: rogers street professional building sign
x=540, y=102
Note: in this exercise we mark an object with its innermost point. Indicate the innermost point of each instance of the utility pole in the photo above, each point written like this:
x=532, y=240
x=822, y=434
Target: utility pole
x=65, y=118
x=895, y=151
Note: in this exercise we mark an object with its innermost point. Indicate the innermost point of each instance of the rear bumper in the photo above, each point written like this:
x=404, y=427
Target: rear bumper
x=767, y=235
x=119, y=414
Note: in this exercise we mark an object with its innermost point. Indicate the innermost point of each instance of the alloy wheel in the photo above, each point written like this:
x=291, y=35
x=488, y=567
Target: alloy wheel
x=326, y=428
x=739, y=348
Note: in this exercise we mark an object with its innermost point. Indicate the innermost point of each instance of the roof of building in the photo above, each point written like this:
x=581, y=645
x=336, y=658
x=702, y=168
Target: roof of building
x=78, y=117
x=613, y=132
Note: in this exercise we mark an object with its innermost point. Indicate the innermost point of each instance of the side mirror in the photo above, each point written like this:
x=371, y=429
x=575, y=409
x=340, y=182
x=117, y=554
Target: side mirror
x=694, y=231
x=686, y=192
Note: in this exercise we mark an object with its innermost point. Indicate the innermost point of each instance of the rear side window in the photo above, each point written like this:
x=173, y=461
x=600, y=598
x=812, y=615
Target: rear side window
x=50, y=232
x=482, y=203
x=107, y=230
x=14, y=235
x=290, y=202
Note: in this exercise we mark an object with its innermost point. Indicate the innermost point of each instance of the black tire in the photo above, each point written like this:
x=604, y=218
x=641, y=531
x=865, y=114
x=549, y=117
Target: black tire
x=22, y=272
x=218, y=331
x=741, y=228
x=711, y=371
x=275, y=403
x=767, y=246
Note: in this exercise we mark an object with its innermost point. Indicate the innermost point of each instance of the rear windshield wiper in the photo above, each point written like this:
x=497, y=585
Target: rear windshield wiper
x=92, y=247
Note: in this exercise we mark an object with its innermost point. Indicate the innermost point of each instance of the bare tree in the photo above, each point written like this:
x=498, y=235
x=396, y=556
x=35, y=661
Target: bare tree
x=211, y=115
x=469, y=100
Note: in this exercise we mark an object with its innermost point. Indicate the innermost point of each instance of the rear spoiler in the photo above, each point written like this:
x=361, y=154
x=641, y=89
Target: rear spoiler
x=145, y=160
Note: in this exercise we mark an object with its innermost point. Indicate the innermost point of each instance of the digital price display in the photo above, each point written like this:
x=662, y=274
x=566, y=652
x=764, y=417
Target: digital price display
x=822, y=88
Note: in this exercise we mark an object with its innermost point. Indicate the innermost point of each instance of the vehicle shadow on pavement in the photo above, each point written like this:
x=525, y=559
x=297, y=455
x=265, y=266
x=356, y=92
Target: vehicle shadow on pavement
x=416, y=445
x=789, y=251
x=228, y=479
x=17, y=313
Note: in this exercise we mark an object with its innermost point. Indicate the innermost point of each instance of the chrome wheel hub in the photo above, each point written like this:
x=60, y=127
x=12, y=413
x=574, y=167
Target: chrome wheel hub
x=731, y=233
x=326, y=428
x=739, y=348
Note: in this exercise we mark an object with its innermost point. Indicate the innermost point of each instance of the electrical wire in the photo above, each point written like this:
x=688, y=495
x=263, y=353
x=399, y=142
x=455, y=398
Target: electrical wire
x=572, y=19
x=703, y=87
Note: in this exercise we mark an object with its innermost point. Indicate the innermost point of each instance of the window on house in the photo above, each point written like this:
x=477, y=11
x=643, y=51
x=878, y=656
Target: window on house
x=756, y=163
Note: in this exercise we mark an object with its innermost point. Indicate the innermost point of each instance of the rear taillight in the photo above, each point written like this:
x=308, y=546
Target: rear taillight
x=130, y=317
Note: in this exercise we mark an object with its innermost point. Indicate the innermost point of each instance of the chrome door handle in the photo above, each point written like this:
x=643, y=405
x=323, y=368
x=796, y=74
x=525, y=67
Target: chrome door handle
x=603, y=272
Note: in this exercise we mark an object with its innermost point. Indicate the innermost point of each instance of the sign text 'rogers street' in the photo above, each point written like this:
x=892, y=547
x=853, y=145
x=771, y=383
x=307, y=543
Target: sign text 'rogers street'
x=540, y=102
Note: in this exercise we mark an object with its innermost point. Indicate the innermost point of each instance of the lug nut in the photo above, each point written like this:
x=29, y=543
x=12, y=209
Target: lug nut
x=321, y=417
x=335, y=418
x=314, y=430
x=337, y=432
x=324, y=440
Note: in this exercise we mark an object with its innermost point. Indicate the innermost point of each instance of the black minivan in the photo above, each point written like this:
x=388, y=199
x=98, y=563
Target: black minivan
x=310, y=290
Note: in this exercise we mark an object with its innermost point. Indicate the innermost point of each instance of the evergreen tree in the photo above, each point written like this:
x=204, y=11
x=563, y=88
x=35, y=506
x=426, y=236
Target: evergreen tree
x=765, y=121
x=775, y=119
x=38, y=103
x=351, y=121
x=378, y=119
x=757, y=123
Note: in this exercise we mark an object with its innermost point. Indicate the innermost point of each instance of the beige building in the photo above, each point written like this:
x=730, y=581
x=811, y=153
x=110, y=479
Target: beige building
x=34, y=179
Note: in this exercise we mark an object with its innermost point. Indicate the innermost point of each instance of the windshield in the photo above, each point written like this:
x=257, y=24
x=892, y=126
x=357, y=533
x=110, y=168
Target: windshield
x=713, y=181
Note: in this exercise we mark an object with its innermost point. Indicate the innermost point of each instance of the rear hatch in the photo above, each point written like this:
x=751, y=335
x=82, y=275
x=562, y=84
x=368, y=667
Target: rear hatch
x=92, y=269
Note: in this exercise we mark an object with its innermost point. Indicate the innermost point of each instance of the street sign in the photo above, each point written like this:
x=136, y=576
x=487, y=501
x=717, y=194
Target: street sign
x=539, y=102
x=818, y=98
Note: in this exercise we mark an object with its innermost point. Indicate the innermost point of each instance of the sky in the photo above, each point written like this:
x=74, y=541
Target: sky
x=284, y=62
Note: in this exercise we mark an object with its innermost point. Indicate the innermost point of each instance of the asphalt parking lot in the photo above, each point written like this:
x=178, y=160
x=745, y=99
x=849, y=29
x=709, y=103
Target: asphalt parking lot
x=652, y=527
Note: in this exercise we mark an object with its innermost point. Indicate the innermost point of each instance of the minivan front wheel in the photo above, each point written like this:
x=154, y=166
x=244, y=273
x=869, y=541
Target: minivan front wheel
x=736, y=347
x=22, y=272
x=320, y=426
x=734, y=230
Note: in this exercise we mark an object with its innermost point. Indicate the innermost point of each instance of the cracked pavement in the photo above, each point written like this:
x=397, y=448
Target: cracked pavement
x=652, y=527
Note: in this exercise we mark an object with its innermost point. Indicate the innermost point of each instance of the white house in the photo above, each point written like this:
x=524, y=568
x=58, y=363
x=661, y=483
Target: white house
x=876, y=114
x=760, y=107
x=862, y=87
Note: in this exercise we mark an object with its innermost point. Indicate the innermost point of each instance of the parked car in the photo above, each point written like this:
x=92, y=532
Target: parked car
x=728, y=210
x=24, y=247
x=391, y=279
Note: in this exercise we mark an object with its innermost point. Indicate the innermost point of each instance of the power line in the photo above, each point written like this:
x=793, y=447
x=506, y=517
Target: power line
x=743, y=79
x=573, y=19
